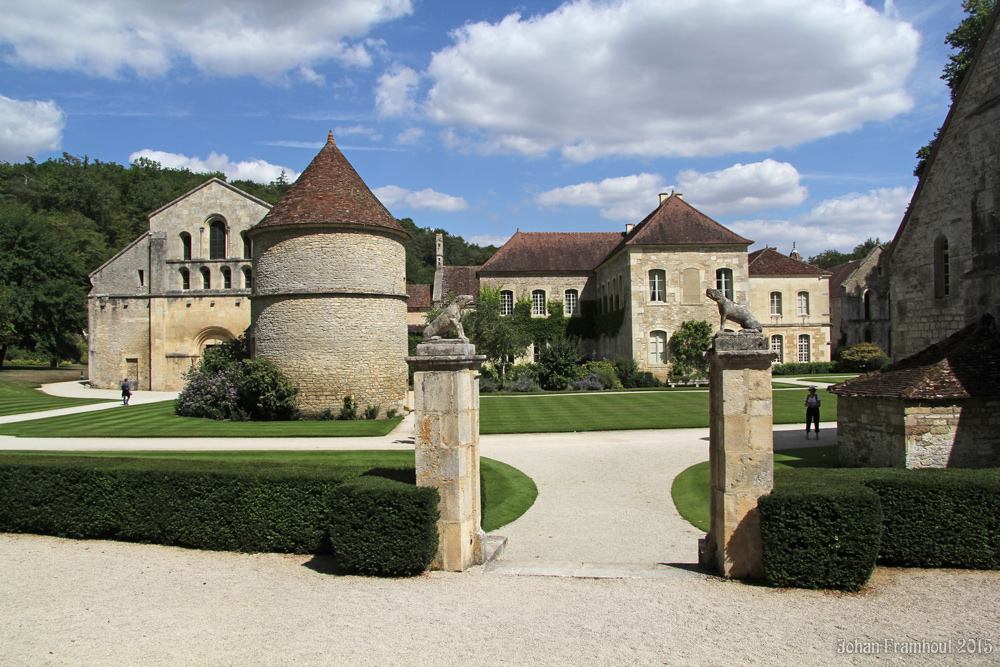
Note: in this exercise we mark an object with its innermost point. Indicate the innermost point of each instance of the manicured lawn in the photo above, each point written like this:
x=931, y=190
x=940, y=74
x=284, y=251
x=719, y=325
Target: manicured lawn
x=690, y=489
x=509, y=492
x=612, y=412
x=827, y=377
x=157, y=420
x=19, y=396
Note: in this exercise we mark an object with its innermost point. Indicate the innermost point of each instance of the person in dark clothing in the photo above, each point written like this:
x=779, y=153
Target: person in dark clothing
x=812, y=411
x=126, y=391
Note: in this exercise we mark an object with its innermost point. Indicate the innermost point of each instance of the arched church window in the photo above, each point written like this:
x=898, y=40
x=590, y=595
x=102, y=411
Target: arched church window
x=185, y=279
x=185, y=245
x=206, y=278
x=217, y=240
x=942, y=268
x=227, y=278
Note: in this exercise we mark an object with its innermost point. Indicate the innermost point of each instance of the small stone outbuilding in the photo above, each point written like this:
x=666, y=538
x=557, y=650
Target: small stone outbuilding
x=939, y=408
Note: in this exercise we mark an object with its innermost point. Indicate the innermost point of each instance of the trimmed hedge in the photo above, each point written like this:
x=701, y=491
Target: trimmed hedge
x=820, y=538
x=817, y=525
x=382, y=527
x=808, y=368
x=941, y=518
x=226, y=507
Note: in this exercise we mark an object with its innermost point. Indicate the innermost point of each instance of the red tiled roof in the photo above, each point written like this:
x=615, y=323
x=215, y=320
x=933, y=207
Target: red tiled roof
x=842, y=272
x=329, y=191
x=553, y=251
x=459, y=280
x=963, y=365
x=770, y=262
x=420, y=297
x=675, y=222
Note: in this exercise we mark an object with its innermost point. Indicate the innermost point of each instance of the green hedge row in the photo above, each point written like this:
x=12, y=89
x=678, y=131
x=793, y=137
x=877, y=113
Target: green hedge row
x=220, y=506
x=804, y=368
x=826, y=528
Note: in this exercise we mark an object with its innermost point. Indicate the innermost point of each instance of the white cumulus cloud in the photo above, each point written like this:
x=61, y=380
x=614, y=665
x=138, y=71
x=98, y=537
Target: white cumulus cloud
x=743, y=188
x=840, y=223
x=29, y=126
x=395, y=90
x=420, y=199
x=620, y=198
x=410, y=135
x=680, y=78
x=229, y=37
x=258, y=171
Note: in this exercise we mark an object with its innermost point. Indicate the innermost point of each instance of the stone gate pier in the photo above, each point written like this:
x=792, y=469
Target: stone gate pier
x=446, y=405
x=741, y=451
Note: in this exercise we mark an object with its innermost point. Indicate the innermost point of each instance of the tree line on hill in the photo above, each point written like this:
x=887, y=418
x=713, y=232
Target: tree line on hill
x=62, y=218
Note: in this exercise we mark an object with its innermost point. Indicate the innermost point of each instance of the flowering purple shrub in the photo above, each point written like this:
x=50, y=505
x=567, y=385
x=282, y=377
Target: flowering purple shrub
x=244, y=390
x=590, y=383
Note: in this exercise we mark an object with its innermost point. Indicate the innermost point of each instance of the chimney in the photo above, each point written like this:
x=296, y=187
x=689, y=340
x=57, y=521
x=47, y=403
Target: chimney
x=628, y=228
x=679, y=195
x=795, y=253
x=439, y=248
x=664, y=196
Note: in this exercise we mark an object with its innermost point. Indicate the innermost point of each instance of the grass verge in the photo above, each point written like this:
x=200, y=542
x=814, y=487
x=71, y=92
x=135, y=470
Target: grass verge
x=558, y=413
x=22, y=396
x=157, y=420
x=690, y=490
x=509, y=492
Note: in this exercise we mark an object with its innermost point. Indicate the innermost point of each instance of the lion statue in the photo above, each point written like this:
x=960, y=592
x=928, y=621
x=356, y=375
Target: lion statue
x=450, y=318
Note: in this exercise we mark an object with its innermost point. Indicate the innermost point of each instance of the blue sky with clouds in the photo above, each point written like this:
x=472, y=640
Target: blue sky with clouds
x=786, y=120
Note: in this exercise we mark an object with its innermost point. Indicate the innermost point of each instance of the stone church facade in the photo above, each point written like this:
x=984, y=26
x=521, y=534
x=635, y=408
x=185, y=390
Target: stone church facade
x=183, y=285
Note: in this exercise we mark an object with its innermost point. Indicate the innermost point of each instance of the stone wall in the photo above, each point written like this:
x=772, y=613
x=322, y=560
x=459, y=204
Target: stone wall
x=333, y=346
x=871, y=432
x=958, y=199
x=885, y=432
x=148, y=316
x=329, y=310
x=646, y=316
x=871, y=277
x=790, y=324
x=555, y=285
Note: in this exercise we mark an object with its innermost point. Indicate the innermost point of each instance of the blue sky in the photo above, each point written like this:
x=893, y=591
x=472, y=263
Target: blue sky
x=786, y=120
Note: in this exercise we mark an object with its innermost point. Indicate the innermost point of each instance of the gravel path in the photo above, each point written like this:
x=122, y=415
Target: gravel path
x=617, y=585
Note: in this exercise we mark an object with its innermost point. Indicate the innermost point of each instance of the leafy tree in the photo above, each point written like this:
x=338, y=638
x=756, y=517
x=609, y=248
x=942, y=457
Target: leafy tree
x=45, y=285
x=496, y=336
x=421, y=252
x=559, y=363
x=689, y=345
x=854, y=358
x=831, y=258
x=965, y=38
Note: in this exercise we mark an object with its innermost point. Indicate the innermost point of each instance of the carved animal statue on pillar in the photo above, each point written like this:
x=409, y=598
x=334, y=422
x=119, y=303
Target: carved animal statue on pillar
x=732, y=311
x=449, y=319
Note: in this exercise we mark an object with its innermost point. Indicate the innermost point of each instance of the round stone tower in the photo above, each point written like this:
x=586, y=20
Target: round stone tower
x=328, y=305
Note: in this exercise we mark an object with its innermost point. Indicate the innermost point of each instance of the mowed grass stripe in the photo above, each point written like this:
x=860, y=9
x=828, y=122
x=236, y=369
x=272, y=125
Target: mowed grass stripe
x=616, y=412
x=17, y=398
x=157, y=420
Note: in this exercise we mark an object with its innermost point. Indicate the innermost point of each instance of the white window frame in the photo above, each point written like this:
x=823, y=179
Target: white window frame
x=538, y=303
x=571, y=302
x=802, y=299
x=775, y=299
x=804, y=348
x=657, y=348
x=657, y=286
x=506, y=302
x=724, y=283
x=778, y=347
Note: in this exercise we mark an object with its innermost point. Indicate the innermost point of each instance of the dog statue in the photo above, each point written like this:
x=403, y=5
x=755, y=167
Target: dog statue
x=450, y=318
x=732, y=311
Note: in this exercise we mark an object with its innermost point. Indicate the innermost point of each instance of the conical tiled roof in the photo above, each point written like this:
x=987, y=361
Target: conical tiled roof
x=675, y=222
x=330, y=192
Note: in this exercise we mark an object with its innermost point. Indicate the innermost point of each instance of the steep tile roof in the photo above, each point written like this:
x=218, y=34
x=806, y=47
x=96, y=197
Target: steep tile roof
x=553, y=251
x=329, y=191
x=675, y=222
x=770, y=262
x=459, y=280
x=840, y=273
x=420, y=297
x=963, y=365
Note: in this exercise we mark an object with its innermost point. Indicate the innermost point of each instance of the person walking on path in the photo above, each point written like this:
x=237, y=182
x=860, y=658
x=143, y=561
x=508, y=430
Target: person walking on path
x=812, y=411
x=127, y=392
